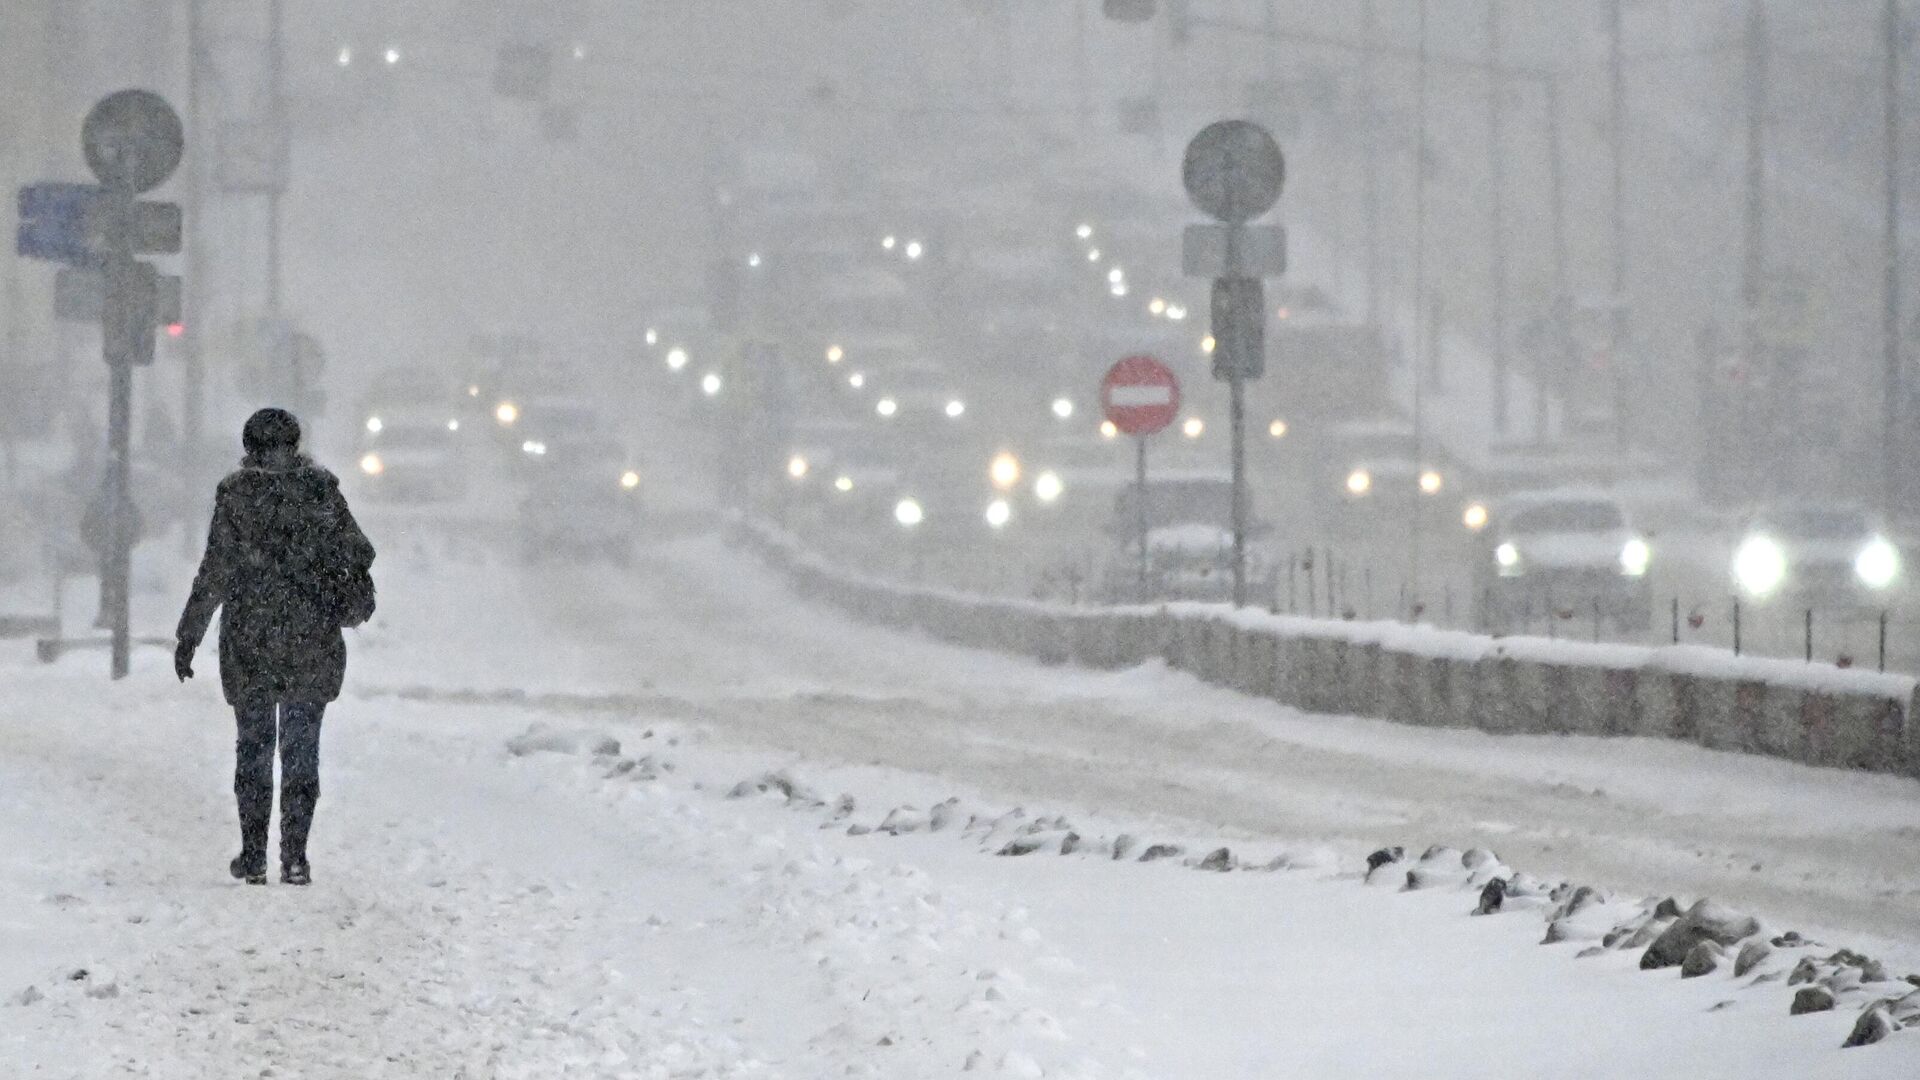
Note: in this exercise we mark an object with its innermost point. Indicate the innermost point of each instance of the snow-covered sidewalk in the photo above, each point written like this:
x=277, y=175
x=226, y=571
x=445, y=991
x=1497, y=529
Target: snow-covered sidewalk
x=489, y=905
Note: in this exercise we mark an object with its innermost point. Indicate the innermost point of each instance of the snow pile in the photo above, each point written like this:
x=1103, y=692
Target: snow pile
x=1699, y=940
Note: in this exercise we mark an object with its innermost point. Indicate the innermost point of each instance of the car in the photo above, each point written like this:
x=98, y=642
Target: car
x=1817, y=554
x=917, y=394
x=585, y=503
x=1548, y=553
x=534, y=428
x=414, y=455
x=1374, y=471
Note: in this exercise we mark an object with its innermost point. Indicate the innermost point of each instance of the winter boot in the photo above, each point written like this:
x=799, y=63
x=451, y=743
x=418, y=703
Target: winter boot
x=250, y=867
x=295, y=872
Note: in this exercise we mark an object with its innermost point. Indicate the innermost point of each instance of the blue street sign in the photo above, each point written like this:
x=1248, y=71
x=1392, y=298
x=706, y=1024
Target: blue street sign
x=53, y=223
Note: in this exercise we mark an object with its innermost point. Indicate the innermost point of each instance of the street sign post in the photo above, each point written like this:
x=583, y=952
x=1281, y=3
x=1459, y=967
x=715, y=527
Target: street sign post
x=1234, y=172
x=133, y=141
x=1140, y=397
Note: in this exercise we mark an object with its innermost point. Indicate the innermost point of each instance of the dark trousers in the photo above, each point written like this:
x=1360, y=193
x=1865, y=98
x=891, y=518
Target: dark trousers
x=297, y=730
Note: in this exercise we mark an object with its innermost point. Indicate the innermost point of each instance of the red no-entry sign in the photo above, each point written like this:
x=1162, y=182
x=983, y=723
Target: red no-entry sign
x=1140, y=395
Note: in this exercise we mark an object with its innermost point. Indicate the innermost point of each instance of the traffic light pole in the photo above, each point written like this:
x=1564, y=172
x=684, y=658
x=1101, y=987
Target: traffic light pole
x=119, y=313
x=193, y=300
x=1237, y=412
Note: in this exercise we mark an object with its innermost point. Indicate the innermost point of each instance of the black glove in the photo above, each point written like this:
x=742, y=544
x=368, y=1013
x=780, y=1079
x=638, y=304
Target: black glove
x=183, y=660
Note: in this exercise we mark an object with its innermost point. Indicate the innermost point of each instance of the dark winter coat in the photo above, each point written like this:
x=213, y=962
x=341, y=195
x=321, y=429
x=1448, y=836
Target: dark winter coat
x=279, y=525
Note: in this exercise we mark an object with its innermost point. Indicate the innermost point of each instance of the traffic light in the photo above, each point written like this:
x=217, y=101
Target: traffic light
x=1239, y=328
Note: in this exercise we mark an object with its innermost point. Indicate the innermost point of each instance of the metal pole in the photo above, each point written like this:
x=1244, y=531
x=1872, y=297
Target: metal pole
x=193, y=289
x=1617, y=133
x=1370, y=142
x=1552, y=350
x=114, y=581
x=1753, y=257
x=1419, y=299
x=1890, y=437
x=1140, y=510
x=119, y=551
x=1497, y=168
x=1237, y=388
x=277, y=120
x=1081, y=79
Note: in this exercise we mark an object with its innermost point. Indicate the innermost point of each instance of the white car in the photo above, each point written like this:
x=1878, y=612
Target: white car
x=1552, y=552
x=1827, y=554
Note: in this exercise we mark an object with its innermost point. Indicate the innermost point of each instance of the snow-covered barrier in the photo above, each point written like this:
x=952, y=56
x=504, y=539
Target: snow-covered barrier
x=1808, y=712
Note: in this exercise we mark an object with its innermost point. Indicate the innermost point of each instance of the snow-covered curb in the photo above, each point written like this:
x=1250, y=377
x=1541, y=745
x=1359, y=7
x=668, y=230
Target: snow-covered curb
x=1818, y=714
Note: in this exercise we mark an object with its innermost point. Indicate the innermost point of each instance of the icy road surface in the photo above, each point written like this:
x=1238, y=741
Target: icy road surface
x=479, y=913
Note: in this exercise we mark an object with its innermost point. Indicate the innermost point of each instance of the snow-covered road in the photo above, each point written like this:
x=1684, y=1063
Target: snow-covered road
x=704, y=634
x=481, y=913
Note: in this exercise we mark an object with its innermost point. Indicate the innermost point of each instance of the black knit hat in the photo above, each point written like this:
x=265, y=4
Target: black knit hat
x=270, y=429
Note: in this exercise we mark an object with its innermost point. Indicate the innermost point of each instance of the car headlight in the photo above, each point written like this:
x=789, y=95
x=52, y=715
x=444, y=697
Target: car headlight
x=956, y=409
x=1048, y=487
x=676, y=358
x=797, y=467
x=710, y=384
x=507, y=413
x=1004, y=472
x=1475, y=517
x=886, y=406
x=1878, y=564
x=1759, y=566
x=1359, y=482
x=1430, y=482
x=1635, y=557
x=843, y=484
x=372, y=465
x=374, y=425
x=998, y=514
x=909, y=513
x=533, y=448
x=1507, y=558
